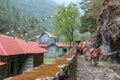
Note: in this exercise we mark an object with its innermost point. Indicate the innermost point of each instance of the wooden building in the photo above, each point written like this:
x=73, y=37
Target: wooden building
x=51, y=43
x=17, y=56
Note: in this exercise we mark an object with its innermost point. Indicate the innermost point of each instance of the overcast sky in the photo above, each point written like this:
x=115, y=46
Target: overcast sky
x=65, y=1
x=68, y=1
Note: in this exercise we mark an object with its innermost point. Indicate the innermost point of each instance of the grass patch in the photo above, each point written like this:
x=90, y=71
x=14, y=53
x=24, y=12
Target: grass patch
x=48, y=60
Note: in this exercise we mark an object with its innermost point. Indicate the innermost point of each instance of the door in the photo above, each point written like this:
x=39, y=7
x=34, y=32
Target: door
x=11, y=68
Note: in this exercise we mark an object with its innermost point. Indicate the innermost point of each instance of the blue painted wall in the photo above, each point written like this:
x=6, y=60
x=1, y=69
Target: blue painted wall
x=45, y=39
x=53, y=50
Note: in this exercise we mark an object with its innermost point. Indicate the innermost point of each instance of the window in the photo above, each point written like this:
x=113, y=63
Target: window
x=64, y=50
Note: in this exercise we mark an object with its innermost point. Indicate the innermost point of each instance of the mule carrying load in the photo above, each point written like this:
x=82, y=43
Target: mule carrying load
x=91, y=54
x=107, y=35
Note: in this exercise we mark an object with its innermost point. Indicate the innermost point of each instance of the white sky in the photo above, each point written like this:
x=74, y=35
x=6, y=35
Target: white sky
x=65, y=1
x=68, y=1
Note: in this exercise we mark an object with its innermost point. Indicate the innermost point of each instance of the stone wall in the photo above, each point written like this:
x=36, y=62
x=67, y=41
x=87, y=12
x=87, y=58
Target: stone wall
x=63, y=68
x=28, y=62
x=4, y=71
x=68, y=71
x=19, y=63
x=38, y=59
x=11, y=68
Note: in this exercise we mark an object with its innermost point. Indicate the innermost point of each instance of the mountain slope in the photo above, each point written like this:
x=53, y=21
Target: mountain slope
x=41, y=9
x=38, y=8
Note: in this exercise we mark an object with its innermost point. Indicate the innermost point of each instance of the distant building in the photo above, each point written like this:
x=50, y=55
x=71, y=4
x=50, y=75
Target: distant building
x=17, y=56
x=47, y=41
x=62, y=48
x=52, y=44
x=46, y=38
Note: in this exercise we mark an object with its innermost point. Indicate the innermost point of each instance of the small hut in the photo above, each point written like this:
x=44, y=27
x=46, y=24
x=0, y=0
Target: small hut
x=17, y=56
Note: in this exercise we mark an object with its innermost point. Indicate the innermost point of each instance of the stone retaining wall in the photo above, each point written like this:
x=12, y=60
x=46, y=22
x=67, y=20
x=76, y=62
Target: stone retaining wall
x=63, y=68
x=3, y=72
x=68, y=71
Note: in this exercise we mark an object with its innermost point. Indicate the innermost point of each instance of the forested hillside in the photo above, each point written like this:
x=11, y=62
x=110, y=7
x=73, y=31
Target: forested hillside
x=38, y=8
x=20, y=18
x=10, y=17
x=7, y=15
x=15, y=24
x=41, y=9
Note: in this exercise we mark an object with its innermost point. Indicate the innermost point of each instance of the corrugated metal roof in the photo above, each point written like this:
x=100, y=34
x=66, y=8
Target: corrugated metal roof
x=60, y=44
x=12, y=46
x=44, y=45
x=48, y=33
x=25, y=47
x=3, y=63
x=37, y=49
x=9, y=46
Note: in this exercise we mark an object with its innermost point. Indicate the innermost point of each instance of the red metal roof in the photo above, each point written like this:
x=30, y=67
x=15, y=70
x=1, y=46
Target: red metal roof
x=34, y=45
x=3, y=63
x=60, y=44
x=25, y=47
x=45, y=32
x=30, y=47
x=2, y=51
x=44, y=45
x=9, y=46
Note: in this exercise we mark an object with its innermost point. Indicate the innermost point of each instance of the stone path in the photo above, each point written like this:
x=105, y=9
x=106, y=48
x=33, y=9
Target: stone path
x=100, y=72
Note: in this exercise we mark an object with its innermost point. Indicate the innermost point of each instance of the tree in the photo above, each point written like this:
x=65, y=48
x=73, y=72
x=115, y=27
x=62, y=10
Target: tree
x=66, y=20
x=15, y=24
x=92, y=7
x=92, y=10
x=87, y=24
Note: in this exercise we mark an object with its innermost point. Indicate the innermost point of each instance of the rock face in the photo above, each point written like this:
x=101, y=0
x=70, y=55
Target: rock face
x=108, y=32
x=69, y=71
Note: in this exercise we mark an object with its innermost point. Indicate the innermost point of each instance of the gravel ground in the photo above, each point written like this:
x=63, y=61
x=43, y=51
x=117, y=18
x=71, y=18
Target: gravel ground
x=100, y=72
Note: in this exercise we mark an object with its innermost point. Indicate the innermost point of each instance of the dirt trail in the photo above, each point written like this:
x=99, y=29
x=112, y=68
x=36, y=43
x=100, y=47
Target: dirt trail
x=101, y=72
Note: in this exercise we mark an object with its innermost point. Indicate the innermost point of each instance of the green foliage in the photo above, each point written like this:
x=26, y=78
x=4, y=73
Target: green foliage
x=7, y=16
x=84, y=36
x=92, y=7
x=88, y=24
x=40, y=9
x=13, y=23
x=92, y=10
x=65, y=21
